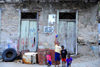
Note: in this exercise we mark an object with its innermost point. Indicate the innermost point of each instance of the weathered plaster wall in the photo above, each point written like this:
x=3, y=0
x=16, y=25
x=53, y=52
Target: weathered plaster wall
x=46, y=39
x=87, y=25
x=9, y=25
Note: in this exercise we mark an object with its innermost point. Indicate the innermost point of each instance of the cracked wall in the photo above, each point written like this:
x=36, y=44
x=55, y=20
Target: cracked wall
x=10, y=19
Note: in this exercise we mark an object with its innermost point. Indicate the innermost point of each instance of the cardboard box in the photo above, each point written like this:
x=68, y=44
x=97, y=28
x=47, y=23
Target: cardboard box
x=29, y=58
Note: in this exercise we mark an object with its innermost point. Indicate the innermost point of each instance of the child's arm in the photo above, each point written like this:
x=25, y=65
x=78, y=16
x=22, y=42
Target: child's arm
x=66, y=52
x=71, y=60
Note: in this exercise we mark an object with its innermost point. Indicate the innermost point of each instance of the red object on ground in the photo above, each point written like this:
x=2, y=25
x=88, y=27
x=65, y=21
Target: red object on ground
x=42, y=56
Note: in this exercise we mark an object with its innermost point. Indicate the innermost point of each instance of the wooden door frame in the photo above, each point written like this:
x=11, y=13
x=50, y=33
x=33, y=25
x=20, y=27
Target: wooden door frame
x=19, y=28
x=69, y=10
x=0, y=23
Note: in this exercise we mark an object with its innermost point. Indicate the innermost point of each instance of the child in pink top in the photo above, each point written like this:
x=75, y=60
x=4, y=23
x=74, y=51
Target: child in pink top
x=48, y=56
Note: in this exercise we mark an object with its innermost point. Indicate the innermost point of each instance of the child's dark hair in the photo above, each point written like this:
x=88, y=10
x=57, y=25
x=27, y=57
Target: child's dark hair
x=62, y=46
x=68, y=54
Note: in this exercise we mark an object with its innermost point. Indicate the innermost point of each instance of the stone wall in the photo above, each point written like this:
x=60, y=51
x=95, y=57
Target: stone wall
x=86, y=28
x=9, y=25
x=87, y=25
x=87, y=31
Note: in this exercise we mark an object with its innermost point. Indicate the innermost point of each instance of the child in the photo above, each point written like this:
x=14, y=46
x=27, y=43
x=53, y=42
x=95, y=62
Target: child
x=63, y=56
x=57, y=54
x=57, y=51
x=69, y=61
x=48, y=56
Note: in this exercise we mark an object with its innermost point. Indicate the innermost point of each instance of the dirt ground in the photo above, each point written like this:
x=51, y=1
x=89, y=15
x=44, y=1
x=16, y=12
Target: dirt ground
x=84, y=61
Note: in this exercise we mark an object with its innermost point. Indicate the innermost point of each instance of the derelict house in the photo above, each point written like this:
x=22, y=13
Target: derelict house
x=33, y=24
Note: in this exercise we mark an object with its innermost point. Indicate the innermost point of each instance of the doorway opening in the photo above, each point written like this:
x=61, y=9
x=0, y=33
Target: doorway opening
x=67, y=30
x=28, y=31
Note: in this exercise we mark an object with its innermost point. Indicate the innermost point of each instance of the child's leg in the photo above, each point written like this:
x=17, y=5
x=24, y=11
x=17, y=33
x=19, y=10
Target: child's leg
x=47, y=63
x=70, y=65
x=67, y=65
x=58, y=62
x=50, y=63
x=63, y=62
x=55, y=59
x=55, y=63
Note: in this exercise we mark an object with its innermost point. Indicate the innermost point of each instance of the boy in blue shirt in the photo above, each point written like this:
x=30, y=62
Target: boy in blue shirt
x=69, y=61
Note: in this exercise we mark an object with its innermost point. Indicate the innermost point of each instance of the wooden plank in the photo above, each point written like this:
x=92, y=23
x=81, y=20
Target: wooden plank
x=28, y=35
x=0, y=24
x=76, y=32
x=71, y=36
x=32, y=35
x=19, y=29
x=57, y=21
x=67, y=35
x=24, y=35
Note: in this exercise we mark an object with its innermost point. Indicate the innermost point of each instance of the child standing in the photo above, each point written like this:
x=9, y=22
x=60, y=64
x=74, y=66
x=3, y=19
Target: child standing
x=63, y=56
x=48, y=56
x=57, y=54
x=57, y=51
x=69, y=61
